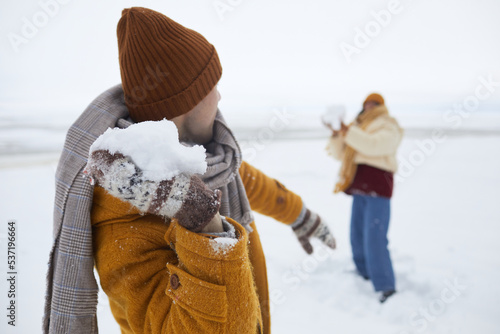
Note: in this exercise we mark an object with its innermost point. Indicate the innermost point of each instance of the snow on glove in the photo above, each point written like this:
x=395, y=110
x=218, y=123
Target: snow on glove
x=184, y=197
x=309, y=225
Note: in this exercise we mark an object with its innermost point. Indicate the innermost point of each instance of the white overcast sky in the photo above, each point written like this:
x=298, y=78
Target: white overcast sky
x=280, y=52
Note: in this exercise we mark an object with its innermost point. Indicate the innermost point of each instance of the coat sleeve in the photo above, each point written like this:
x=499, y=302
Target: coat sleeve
x=171, y=280
x=268, y=196
x=384, y=141
x=336, y=147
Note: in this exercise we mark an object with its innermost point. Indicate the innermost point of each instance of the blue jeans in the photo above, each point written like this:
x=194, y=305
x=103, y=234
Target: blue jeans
x=369, y=225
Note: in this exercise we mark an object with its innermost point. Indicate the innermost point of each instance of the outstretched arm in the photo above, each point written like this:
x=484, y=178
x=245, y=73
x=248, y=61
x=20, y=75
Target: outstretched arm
x=271, y=198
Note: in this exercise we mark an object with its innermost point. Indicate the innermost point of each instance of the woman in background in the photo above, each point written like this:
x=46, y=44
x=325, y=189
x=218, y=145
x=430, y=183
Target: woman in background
x=367, y=149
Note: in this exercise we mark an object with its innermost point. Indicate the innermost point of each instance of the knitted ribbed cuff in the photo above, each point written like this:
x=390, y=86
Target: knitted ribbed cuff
x=301, y=216
x=307, y=226
x=229, y=230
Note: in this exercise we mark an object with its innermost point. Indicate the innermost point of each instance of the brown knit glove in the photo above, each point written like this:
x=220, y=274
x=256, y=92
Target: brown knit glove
x=309, y=225
x=184, y=197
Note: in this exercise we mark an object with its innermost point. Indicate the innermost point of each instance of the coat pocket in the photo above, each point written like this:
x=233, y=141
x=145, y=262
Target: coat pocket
x=197, y=297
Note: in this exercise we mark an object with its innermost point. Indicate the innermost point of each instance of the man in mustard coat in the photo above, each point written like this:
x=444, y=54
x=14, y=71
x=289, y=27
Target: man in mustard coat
x=165, y=275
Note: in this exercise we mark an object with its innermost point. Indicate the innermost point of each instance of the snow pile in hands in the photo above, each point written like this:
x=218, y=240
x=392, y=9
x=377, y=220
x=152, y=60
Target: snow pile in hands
x=334, y=115
x=154, y=147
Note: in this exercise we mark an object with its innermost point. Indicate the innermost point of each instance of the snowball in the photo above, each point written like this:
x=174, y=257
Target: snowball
x=334, y=115
x=154, y=147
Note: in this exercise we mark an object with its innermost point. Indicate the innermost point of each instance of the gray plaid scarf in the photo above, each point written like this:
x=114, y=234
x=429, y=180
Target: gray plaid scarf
x=71, y=297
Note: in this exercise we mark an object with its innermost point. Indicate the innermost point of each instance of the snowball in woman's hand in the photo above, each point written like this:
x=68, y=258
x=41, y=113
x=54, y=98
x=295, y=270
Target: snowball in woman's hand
x=334, y=115
x=154, y=147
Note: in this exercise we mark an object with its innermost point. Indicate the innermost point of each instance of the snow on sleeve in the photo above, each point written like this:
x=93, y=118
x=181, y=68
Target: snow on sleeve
x=154, y=148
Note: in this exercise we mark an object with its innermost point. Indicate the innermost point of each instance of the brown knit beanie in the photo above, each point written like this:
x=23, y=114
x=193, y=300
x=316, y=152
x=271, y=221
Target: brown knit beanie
x=377, y=98
x=166, y=69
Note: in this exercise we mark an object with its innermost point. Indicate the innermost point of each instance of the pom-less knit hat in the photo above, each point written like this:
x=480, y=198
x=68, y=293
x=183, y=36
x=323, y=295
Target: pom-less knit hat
x=377, y=98
x=166, y=68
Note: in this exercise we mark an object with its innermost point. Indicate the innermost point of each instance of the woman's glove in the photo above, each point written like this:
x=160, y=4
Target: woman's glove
x=184, y=197
x=309, y=225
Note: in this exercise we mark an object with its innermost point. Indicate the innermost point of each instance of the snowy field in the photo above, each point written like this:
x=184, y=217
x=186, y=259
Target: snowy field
x=443, y=238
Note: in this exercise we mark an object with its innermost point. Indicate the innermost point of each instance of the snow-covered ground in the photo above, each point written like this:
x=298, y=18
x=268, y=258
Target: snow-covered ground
x=443, y=238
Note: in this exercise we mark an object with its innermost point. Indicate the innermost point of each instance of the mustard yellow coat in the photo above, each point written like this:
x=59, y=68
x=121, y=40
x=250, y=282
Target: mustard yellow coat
x=162, y=278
